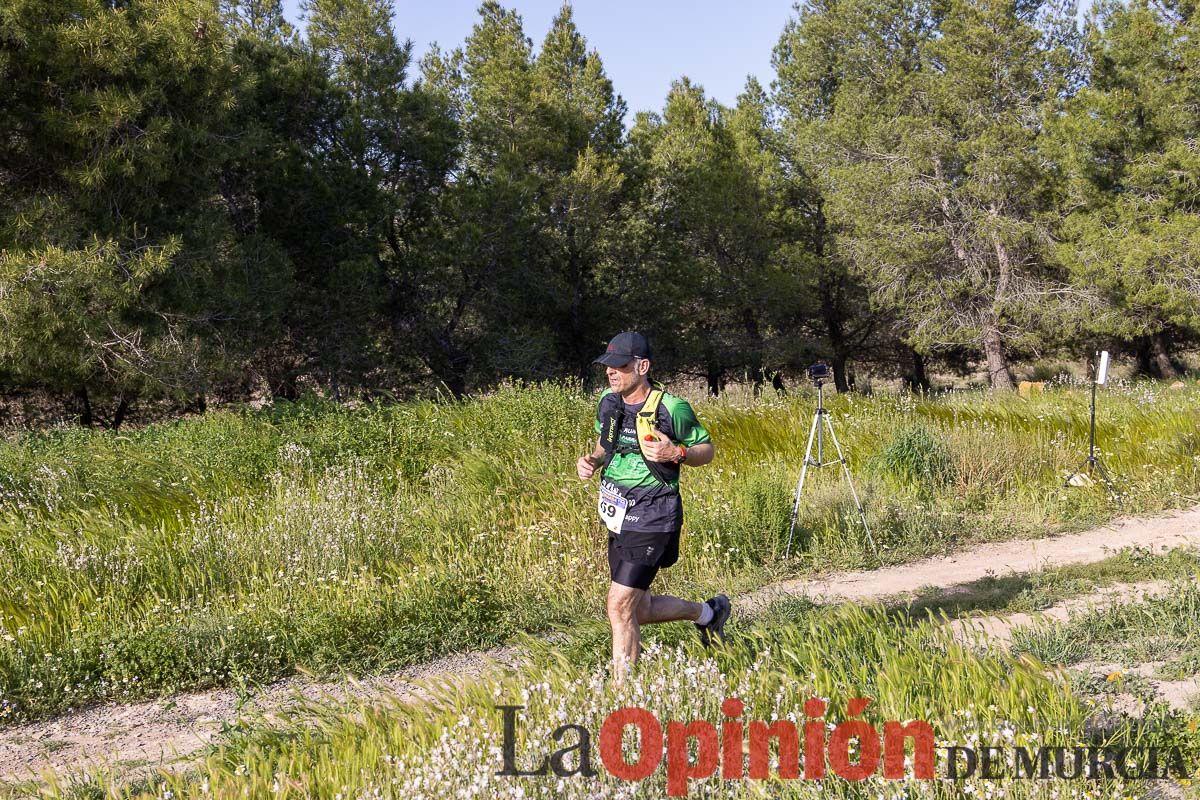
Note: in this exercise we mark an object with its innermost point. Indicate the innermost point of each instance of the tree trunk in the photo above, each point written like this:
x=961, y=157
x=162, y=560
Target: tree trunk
x=1164, y=361
x=453, y=379
x=122, y=410
x=1155, y=358
x=447, y=362
x=457, y=384
x=716, y=378
x=993, y=342
x=838, y=362
x=754, y=356
x=833, y=314
x=836, y=331
x=577, y=346
x=997, y=362
x=1145, y=358
x=449, y=365
x=437, y=350
x=85, y=407
x=917, y=379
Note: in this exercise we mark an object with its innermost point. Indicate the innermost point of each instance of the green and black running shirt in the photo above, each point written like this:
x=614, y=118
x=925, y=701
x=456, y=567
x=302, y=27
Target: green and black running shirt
x=652, y=506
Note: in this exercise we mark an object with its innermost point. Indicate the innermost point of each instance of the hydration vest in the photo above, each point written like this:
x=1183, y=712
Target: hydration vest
x=612, y=419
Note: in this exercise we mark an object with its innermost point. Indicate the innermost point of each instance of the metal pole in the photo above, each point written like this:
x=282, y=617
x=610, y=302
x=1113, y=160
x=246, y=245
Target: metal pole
x=820, y=433
x=1092, y=462
x=812, y=430
x=846, y=471
x=1092, y=427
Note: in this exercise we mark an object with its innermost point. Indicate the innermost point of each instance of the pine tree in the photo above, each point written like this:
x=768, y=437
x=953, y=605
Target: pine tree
x=510, y=282
x=711, y=225
x=388, y=154
x=1128, y=150
x=582, y=139
x=475, y=260
x=931, y=149
x=110, y=148
x=841, y=69
x=259, y=19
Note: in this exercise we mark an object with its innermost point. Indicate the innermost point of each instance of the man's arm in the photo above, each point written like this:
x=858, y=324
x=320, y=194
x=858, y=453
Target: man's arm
x=663, y=450
x=700, y=454
x=689, y=432
x=586, y=466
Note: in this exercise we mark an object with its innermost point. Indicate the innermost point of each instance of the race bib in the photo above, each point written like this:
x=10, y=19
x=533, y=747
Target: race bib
x=612, y=509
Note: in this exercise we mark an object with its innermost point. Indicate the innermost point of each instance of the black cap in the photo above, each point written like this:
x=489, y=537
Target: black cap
x=623, y=348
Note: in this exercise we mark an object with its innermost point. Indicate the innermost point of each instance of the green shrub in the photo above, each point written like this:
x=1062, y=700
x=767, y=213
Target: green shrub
x=915, y=454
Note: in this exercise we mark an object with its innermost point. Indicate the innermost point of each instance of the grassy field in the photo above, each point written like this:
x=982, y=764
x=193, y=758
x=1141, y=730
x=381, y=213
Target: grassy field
x=452, y=747
x=242, y=546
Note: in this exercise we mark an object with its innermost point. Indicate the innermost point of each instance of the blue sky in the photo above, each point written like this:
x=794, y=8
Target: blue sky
x=644, y=45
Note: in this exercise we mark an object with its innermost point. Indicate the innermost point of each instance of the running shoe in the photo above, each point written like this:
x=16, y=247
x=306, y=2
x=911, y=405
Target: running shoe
x=721, y=608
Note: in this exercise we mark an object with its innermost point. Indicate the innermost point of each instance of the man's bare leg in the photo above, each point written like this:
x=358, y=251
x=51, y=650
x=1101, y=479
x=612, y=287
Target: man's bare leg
x=623, y=603
x=665, y=608
x=628, y=610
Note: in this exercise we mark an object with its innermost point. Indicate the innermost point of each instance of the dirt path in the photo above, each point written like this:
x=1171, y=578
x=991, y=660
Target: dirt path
x=158, y=733
x=1178, y=529
x=1178, y=695
x=161, y=732
x=998, y=629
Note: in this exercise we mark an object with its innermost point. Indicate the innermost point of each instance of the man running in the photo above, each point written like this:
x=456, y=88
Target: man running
x=639, y=497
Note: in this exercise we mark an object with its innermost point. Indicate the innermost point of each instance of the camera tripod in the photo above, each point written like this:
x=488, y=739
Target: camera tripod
x=816, y=432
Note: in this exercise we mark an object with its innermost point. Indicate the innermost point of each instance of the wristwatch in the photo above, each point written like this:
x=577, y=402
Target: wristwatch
x=679, y=459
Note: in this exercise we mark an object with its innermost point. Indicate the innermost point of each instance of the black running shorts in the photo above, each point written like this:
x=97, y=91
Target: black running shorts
x=636, y=566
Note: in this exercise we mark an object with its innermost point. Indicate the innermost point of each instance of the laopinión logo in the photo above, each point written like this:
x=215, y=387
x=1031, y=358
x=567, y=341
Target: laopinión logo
x=853, y=750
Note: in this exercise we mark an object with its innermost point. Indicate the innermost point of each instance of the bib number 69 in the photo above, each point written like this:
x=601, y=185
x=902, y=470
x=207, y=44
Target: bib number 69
x=612, y=510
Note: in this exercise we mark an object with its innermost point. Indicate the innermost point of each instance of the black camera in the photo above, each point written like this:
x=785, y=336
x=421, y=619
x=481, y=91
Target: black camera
x=819, y=371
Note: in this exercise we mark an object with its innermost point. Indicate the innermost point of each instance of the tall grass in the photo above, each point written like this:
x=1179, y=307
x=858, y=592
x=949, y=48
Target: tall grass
x=243, y=545
x=452, y=747
x=1164, y=629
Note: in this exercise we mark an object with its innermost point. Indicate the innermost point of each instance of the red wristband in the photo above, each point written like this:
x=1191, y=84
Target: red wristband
x=682, y=454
